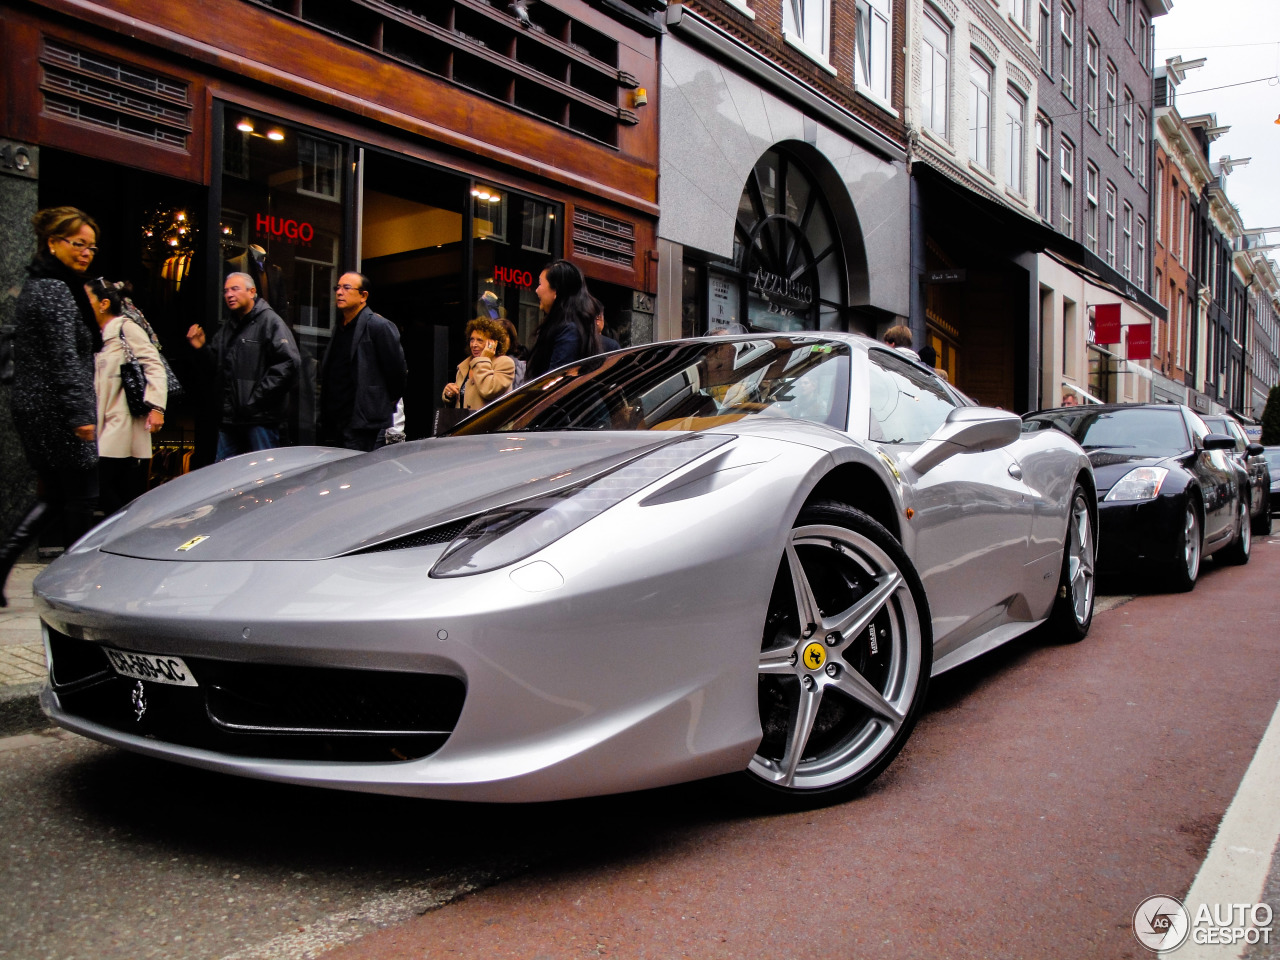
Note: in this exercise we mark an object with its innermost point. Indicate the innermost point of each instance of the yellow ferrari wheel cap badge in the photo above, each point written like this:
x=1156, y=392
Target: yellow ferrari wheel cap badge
x=191, y=543
x=815, y=655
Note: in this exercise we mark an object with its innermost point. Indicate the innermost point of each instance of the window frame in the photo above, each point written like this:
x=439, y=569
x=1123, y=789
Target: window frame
x=1067, y=36
x=1091, y=180
x=1109, y=209
x=1126, y=247
x=1126, y=142
x=1044, y=38
x=1113, y=89
x=930, y=56
x=1044, y=168
x=1140, y=252
x=1140, y=152
x=1016, y=141
x=872, y=66
x=1092, y=54
x=797, y=34
x=980, y=133
x=1067, y=173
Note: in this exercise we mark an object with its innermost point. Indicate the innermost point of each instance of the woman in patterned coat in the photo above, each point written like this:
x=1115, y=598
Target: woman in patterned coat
x=53, y=401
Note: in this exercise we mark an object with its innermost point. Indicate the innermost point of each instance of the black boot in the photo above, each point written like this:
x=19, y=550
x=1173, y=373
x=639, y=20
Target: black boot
x=19, y=537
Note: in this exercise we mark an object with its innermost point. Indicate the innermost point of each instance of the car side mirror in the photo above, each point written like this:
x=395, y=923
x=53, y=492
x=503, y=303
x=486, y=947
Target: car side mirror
x=966, y=430
x=1219, y=441
x=1255, y=449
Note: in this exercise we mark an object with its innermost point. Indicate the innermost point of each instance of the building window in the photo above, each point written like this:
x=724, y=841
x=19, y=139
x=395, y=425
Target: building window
x=1044, y=141
x=1114, y=7
x=935, y=73
x=1091, y=207
x=1140, y=155
x=1143, y=39
x=807, y=23
x=1178, y=329
x=1140, y=253
x=1068, y=24
x=1015, y=150
x=872, y=60
x=1067, y=167
x=980, y=111
x=1112, y=85
x=1179, y=218
x=1126, y=247
x=1044, y=38
x=1159, y=205
x=1022, y=13
x=1128, y=21
x=1091, y=79
x=1111, y=224
x=1128, y=129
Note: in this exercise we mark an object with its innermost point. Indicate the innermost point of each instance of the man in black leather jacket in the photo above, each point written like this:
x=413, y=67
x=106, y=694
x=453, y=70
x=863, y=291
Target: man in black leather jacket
x=255, y=363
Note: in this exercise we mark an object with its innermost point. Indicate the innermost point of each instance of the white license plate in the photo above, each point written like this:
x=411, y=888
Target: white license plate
x=148, y=666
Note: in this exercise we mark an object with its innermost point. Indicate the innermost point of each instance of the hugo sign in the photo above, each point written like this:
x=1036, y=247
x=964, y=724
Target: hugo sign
x=519, y=278
x=291, y=231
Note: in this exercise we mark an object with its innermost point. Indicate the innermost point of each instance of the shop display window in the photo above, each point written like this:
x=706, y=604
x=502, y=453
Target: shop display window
x=517, y=238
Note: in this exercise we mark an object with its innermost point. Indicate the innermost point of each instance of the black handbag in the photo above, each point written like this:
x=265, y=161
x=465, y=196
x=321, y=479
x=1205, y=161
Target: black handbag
x=174, y=385
x=447, y=418
x=133, y=379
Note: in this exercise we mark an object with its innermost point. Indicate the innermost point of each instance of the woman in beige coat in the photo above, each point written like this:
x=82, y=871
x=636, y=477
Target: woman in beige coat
x=124, y=441
x=488, y=373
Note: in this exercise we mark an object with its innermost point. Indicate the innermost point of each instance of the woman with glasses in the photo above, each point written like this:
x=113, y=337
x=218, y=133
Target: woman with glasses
x=53, y=401
x=124, y=441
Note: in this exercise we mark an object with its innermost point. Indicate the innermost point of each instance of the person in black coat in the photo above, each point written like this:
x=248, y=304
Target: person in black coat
x=255, y=363
x=362, y=376
x=53, y=400
x=568, y=332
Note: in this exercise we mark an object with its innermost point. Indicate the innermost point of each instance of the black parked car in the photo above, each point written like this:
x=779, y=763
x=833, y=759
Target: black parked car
x=1273, y=464
x=1250, y=456
x=1169, y=491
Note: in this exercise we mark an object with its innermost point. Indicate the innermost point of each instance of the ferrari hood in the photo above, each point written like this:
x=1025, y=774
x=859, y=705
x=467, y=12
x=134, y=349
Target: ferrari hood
x=352, y=504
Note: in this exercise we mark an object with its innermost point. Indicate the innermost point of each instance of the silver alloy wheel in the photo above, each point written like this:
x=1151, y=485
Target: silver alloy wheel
x=839, y=681
x=1080, y=560
x=1191, y=543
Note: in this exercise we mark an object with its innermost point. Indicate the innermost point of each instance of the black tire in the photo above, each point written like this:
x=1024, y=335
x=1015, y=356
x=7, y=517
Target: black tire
x=1240, y=549
x=1262, y=522
x=1186, y=566
x=839, y=693
x=1072, y=613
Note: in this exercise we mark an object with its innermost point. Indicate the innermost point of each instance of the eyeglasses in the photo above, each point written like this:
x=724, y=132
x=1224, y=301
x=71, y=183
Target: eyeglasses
x=347, y=286
x=81, y=245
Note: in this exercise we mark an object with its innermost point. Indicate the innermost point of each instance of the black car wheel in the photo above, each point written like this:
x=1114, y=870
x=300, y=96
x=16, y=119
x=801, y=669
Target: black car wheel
x=1238, y=552
x=1186, y=565
x=844, y=661
x=1073, y=607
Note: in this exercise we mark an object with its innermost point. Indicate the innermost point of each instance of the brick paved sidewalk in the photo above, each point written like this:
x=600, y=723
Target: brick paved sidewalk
x=22, y=665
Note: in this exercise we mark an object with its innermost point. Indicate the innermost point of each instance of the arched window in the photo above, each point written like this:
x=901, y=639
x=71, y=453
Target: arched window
x=787, y=254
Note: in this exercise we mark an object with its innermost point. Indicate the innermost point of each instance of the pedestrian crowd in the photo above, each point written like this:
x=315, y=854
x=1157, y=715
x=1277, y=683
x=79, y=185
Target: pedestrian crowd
x=89, y=385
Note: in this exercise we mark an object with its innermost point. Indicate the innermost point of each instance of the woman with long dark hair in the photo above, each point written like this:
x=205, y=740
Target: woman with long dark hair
x=54, y=407
x=568, y=332
x=124, y=441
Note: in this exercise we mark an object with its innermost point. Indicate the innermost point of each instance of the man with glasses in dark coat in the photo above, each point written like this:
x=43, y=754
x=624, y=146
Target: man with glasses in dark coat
x=363, y=373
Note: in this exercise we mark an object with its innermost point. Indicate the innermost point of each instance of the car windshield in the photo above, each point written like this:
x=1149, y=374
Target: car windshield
x=1141, y=431
x=1217, y=425
x=687, y=385
x=1273, y=459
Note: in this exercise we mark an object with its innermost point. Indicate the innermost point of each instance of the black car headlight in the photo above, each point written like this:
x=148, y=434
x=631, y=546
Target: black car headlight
x=507, y=534
x=1142, y=483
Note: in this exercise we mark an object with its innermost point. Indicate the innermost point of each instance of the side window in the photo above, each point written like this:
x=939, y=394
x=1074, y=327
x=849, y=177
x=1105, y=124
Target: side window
x=907, y=404
x=1242, y=442
x=1199, y=430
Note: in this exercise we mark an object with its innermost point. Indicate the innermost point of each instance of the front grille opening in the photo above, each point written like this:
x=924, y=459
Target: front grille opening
x=267, y=711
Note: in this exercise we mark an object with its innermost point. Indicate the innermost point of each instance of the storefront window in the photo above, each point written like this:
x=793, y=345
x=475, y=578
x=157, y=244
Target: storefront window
x=515, y=237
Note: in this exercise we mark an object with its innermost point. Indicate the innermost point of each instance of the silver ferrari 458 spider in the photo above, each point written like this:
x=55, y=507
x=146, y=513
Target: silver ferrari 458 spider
x=671, y=562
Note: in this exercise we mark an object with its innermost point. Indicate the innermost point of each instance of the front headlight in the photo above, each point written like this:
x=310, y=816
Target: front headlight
x=503, y=536
x=1140, y=484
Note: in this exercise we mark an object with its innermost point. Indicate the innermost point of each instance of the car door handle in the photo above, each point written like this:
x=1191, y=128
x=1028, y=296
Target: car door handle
x=1015, y=471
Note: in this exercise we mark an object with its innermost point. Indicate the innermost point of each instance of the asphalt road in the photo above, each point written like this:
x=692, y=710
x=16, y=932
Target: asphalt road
x=1045, y=793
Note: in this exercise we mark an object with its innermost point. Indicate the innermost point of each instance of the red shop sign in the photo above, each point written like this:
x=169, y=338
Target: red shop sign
x=1139, y=341
x=520, y=278
x=291, y=231
x=1106, y=323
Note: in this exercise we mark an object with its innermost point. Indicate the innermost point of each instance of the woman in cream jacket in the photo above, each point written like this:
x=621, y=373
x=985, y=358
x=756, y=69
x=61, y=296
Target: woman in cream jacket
x=124, y=441
x=487, y=374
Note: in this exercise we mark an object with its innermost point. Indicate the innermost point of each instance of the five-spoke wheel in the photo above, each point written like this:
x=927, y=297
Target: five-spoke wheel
x=845, y=657
x=1072, y=611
